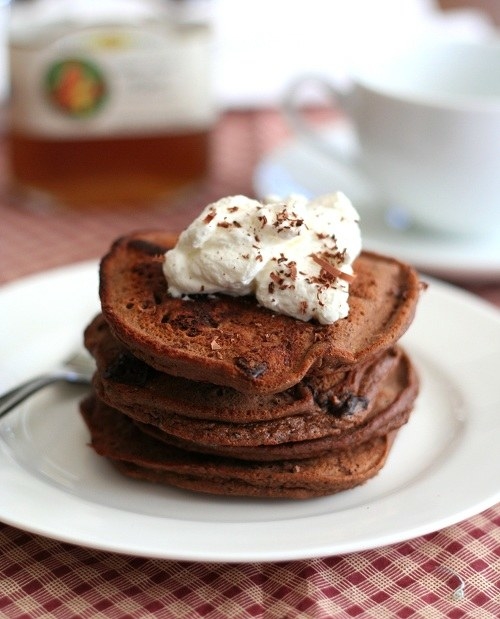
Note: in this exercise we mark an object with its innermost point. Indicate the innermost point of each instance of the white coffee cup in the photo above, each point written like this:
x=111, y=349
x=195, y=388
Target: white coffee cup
x=428, y=126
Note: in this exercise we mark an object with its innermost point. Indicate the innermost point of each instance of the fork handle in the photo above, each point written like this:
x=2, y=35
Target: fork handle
x=18, y=394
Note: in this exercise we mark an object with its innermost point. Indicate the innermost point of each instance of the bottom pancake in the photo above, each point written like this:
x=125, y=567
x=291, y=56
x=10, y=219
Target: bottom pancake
x=140, y=456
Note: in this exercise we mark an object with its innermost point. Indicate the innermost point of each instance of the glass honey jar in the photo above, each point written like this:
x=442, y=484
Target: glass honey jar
x=110, y=101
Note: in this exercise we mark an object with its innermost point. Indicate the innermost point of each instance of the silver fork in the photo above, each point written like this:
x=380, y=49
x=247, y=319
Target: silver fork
x=77, y=369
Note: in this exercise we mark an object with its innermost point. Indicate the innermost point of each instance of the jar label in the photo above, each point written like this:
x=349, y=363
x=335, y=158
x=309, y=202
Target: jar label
x=119, y=81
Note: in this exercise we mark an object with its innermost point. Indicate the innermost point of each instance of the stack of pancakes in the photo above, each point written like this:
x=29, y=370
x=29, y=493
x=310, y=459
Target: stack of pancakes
x=217, y=394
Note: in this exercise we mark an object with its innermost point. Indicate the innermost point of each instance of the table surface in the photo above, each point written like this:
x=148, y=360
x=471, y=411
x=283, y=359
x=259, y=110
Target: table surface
x=42, y=577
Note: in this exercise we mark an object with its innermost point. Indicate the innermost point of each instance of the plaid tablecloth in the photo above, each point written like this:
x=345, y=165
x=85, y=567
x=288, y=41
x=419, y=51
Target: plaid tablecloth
x=451, y=573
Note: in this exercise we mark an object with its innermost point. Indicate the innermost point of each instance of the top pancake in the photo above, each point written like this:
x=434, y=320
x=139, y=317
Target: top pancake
x=128, y=384
x=232, y=341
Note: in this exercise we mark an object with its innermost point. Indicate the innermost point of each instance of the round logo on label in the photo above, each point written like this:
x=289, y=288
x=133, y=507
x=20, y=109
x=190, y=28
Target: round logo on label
x=76, y=87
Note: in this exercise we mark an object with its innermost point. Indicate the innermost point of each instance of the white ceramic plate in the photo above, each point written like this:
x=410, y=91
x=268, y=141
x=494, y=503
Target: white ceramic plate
x=298, y=167
x=444, y=467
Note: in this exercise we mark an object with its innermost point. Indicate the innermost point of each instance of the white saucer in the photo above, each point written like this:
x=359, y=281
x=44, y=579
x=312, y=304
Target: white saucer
x=298, y=167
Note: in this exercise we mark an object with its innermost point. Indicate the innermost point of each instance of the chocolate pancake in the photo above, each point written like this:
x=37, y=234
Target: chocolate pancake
x=372, y=399
x=137, y=455
x=300, y=436
x=128, y=384
x=232, y=341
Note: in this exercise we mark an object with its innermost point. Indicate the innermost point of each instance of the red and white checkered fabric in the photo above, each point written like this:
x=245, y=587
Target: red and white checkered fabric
x=419, y=578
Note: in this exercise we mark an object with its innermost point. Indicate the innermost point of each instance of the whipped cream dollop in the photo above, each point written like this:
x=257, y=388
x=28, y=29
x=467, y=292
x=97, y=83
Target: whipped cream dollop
x=294, y=255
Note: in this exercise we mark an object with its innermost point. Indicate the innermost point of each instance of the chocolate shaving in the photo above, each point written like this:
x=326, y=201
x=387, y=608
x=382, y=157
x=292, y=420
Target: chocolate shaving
x=214, y=345
x=209, y=217
x=331, y=269
x=292, y=265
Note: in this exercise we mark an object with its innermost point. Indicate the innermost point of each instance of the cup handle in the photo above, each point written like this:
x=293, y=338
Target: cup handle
x=306, y=130
x=346, y=166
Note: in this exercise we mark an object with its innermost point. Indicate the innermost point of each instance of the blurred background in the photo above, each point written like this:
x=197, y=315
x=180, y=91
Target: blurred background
x=262, y=44
x=259, y=45
x=256, y=48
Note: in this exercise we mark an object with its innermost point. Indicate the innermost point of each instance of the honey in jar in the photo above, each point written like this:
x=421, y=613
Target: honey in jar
x=110, y=102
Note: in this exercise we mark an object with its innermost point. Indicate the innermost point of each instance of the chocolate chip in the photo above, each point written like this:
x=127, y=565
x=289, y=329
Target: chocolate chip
x=350, y=405
x=343, y=405
x=128, y=370
x=251, y=369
